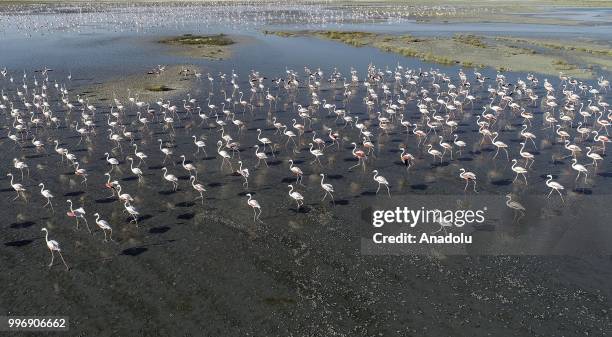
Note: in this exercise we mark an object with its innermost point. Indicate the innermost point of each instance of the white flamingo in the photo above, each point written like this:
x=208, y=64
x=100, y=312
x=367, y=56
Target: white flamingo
x=53, y=247
x=580, y=169
x=104, y=226
x=518, y=170
x=328, y=188
x=296, y=172
x=171, y=178
x=18, y=188
x=299, y=199
x=47, y=194
x=554, y=186
x=516, y=206
x=255, y=206
x=198, y=187
x=381, y=181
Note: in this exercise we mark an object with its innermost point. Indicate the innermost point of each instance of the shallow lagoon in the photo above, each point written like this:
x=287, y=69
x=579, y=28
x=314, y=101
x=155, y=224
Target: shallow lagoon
x=306, y=269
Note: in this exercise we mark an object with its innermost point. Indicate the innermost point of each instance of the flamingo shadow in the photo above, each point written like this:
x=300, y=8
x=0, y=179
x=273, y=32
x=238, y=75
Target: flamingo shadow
x=419, y=187
x=159, y=230
x=24, y=224
x=18, y=243
x=502, y=182
x=186, y=216
x=74, y=194
x=105, y=200
x=304, y=209
x=134, y=251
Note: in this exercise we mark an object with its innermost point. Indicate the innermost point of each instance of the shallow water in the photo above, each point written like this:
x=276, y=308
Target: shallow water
x=311, y=269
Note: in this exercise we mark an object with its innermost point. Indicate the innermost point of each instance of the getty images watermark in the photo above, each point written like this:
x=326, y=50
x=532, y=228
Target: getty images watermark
x=433, y=226
x=443, y=224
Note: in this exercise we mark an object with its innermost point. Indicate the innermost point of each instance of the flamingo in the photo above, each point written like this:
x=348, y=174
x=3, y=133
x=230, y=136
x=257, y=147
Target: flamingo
x=200, y=144
x=135, y=170
x=296, y=171
x=189, y=167
x=132, y=211
x=141, y=155
x=112, y=161
x=446, y=146
x=500, y=145
x=198, y=187
x=360, y=155
x=110, y=184
x=573, y=148
x=18, y=188
x=265, y=141
x=519, y=170
x=123, y=196
x=554, y=186
x=166, y=151
x=593, y=156
x=255, y=206
x=516, y=206
x=527, y=155
x=20, y=165
x=467, y=176
x=299, y=199
x=260, y=156
x=81, y=172
x=328, y=188
x=381, y=181
x=459, y=143
x=244, y=173
x=580, y=169
x=223, y=155
x=104, y=226
x=53, y=247
x=316, y=153
x=602, y=139
x=435, y=153
x=406, y=158
x=171, y=178
x=77, y=213
x=47, y=194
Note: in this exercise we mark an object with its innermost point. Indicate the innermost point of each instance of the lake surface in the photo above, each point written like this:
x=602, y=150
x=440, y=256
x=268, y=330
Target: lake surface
x=312, y=268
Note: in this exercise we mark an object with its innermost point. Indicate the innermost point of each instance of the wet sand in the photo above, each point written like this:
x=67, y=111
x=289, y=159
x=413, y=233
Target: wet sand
x=149, y=85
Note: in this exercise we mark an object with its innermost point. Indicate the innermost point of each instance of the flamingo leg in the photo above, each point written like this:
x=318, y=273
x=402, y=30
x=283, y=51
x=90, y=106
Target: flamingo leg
x=65, y=264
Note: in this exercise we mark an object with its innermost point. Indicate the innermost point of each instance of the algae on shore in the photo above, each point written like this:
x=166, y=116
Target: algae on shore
x=502, y=53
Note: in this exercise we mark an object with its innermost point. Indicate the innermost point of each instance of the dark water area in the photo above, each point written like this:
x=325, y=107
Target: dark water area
x=204, y=266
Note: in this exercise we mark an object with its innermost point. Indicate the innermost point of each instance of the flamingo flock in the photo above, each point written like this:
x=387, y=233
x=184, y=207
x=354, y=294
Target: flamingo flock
x=324, y=123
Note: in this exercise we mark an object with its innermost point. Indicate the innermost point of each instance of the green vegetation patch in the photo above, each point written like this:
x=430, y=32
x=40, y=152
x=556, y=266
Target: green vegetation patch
x=472, y=40
x=355, y=39
x=206, y=40
x=158, y=88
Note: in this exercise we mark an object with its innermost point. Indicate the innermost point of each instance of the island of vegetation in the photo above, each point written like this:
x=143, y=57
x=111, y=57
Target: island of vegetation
x=579, y=59
x=201, y=46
